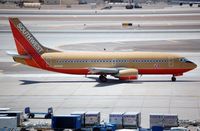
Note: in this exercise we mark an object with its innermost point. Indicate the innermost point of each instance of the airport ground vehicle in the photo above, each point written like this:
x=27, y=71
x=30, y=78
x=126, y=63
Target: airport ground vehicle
x=189, y=2
x=132, y=5
x=122, y=65
x=31, y=114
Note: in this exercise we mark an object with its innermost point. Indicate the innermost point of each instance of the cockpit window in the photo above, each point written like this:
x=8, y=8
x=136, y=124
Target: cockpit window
x=183, y=60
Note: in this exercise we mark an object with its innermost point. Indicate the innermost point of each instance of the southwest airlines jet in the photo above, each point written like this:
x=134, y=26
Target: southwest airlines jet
x=122, y=65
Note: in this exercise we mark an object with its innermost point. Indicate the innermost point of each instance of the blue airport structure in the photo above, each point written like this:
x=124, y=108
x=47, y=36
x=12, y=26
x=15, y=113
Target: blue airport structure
x=157, y=128
x=104, y=127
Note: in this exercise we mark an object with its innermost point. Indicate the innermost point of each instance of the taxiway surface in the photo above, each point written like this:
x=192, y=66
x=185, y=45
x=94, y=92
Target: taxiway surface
x=23, y=86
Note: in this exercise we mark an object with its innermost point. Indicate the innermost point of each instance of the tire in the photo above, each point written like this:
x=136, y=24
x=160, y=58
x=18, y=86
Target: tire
x=129, y=6
x=173, y=79
x=48, y=116
x=103, y=78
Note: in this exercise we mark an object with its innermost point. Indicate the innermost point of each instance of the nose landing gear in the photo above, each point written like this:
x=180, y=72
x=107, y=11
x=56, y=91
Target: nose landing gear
x=173, y=78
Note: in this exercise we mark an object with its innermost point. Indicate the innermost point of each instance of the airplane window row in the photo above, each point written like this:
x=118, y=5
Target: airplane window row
x=82, y=61
x=149, y=61
x=111, y=61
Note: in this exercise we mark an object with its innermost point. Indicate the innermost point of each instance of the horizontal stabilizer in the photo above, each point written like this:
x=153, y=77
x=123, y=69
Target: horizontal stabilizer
x=16, y=55
x=11, y=53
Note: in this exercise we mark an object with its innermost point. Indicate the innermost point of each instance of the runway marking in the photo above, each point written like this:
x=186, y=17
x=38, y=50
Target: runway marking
x=174, y=41
x=15, y=64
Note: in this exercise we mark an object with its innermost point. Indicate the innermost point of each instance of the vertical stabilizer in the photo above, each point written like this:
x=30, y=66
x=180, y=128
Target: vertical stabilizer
x=25, y=41
x=27, y=45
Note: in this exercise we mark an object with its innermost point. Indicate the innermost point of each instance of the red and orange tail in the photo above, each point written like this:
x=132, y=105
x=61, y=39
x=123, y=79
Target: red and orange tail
x=27, y=44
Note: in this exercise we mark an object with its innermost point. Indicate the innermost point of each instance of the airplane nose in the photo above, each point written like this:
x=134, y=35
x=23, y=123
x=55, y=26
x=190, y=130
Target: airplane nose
x=194, y=65
x=191, y=64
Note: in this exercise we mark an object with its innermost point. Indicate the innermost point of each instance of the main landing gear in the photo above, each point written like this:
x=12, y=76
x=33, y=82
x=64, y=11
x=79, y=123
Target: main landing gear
x=173, y=78
x=103, y=78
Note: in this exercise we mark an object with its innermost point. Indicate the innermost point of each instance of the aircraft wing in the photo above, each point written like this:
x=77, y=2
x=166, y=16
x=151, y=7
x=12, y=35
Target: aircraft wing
x=96, y=70
x=121, y=73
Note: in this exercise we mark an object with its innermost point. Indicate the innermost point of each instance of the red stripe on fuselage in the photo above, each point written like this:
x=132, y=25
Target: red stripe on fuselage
x=163, y=71
x=82, y=71
x=85, y=71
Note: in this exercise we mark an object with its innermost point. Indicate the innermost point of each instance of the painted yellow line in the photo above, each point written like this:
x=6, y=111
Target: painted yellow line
x=15, y=64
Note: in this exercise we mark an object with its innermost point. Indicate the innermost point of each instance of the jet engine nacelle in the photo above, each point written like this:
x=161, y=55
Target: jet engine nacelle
x=128, y=74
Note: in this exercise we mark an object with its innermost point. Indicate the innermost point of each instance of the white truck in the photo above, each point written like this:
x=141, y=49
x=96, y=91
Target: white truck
x=132, y=120
x=117, y=119
x=164, y=120
x=92, y=118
